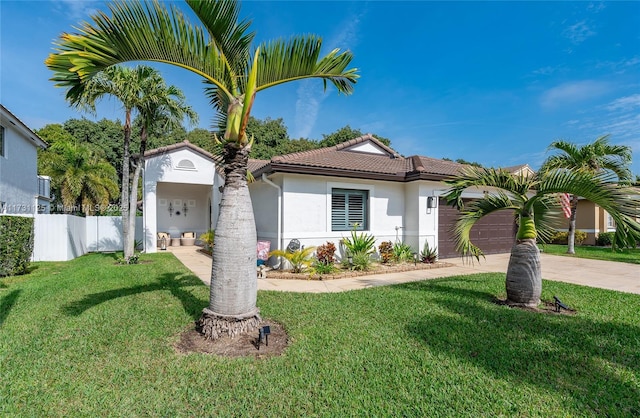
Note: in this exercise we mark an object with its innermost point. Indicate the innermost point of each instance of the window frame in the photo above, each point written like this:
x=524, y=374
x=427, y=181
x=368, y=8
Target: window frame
x=363, y=215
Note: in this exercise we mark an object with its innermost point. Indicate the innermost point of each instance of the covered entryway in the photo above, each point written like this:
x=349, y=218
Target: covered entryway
x=494, y=234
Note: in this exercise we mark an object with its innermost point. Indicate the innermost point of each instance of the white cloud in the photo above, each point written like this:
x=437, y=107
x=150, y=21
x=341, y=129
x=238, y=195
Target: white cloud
x=625, y=103
x=578, y=32
x=573, y=92
x=77, y=9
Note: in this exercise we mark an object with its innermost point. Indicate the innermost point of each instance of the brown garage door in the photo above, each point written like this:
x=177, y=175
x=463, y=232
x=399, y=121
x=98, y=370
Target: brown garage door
x=494, y=233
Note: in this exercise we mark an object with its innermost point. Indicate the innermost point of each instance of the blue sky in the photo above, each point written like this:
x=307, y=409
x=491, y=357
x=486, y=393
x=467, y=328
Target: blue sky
x=493, y=82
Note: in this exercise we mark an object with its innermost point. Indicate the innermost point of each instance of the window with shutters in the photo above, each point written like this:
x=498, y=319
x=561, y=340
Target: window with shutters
x=348, y=208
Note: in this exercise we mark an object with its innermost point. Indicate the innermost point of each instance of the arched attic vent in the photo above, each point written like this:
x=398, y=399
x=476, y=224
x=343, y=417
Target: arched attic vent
x=185, y=165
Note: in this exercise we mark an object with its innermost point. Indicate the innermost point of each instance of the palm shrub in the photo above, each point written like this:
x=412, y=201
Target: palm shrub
x=359, y=248
x=429, y=255
x=534, y=200
x=402, y=252
x=300, y=259
x=386, y=251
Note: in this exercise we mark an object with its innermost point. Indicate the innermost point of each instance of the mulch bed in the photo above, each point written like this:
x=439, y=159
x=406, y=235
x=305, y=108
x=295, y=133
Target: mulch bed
x=375, y=269
x=243, y=345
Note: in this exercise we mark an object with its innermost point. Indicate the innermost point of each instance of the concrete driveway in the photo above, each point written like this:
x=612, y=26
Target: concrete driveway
x=623, y=277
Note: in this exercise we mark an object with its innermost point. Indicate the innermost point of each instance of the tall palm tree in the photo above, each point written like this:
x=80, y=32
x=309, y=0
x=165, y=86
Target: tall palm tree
x=596, y=157
x=83, y=179
x=130, y=86
x=220, y=50
x=160, y=106
x=533, y=200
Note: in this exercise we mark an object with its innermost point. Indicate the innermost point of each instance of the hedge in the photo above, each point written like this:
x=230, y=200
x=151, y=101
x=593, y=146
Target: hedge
x=562, y=238
x=604, y=239
x=16, y=244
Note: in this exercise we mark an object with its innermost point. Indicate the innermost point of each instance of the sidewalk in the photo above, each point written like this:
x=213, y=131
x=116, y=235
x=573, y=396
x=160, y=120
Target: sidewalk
x=623, y=277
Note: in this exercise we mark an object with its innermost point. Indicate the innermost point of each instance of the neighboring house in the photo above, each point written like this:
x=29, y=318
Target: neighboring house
x=22, y=191
x=317, y=196
x=181, y=192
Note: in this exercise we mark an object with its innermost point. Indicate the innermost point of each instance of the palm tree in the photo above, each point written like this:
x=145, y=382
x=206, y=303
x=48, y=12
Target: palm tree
x=83, y=179
x=533, y=200
x=220, y=50
x=596, y=157
x=163, y=107
x=140, y=89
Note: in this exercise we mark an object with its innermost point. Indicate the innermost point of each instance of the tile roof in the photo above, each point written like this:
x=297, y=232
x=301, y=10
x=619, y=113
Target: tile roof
x=346, y=159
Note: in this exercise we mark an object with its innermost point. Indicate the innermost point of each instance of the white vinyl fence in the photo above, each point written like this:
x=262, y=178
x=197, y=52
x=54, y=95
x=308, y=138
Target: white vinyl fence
x=65, y=237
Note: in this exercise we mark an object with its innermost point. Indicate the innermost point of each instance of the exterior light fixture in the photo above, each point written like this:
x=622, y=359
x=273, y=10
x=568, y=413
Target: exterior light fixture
x=263, y=334
x=170, y=209
x=184, y=208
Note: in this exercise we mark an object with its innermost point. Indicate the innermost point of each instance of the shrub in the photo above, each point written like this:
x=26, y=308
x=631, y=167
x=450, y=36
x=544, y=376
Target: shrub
x=299, y=259
x=360, y=261
x=429, y=255
x=402, y=252
x=324, y=268
x=605, y=239
x=325, y=253
x=386, y=251
x=208, y=238
x=16, y=244
x=562, y=238
x=359, y=243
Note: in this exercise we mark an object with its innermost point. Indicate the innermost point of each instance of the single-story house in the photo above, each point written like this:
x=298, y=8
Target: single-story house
x=317, y=196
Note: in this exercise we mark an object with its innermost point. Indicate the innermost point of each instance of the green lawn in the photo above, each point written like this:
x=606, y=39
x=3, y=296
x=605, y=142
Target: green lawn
x=91, y=338
x=598, y=253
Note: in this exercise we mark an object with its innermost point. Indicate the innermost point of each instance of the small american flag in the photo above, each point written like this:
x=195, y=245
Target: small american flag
x=565, y=201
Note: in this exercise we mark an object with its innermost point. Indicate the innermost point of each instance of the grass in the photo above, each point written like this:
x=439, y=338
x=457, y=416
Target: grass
x=627, y=255
x=91, y=338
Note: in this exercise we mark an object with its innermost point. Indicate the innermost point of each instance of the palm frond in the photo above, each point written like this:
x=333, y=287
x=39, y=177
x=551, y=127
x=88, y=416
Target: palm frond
x=488, y=178
x=471, y=214
x=298, y=58
x=137, y=31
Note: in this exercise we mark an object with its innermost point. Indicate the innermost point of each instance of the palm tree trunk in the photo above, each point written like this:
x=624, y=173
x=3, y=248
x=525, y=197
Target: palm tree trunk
x=124, y=200
x=524, y=275
x=133, y=204
x=571, y=236
x=234, y=284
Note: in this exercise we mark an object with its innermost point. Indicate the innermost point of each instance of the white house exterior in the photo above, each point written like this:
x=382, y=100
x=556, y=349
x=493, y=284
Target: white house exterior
x=317, y=196
x=21, y=190
x=181, y=192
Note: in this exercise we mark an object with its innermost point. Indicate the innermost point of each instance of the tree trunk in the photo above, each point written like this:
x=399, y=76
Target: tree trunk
x=124, y=199
x=234, y=284
x=133, y=204
x=524, y=275
x=571, y=236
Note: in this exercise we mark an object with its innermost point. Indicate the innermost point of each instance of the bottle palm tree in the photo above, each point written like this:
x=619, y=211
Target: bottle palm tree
x=220, y=50
x=83, y=179
x=140, y=89
x=533, y=200
x=596, y=157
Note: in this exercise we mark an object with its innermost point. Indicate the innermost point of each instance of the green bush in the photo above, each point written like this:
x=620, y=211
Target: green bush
x=300, y=259
x=562, y=238
x=16, y=244
x=402, y=252
x=605, y=239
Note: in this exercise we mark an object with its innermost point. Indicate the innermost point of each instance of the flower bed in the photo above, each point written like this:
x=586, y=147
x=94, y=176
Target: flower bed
x=341, y=274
